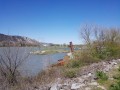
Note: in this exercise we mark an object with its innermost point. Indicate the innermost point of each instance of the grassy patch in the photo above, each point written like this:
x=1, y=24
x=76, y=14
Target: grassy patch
x=96, y=88
x=73, y=64
x=70, y=72
x=115, y=86
x=113, y=83
x=101, y=75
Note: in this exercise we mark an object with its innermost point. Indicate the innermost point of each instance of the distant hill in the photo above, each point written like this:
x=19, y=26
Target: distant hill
x=8, y=40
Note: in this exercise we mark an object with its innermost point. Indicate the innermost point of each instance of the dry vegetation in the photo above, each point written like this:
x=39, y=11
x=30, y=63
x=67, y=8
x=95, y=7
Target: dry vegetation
x=100, y=44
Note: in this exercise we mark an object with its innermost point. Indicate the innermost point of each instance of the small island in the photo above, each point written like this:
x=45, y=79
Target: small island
x=45, y=52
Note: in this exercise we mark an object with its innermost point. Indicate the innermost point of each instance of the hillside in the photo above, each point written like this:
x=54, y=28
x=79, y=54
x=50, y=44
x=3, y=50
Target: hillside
x=9, y=40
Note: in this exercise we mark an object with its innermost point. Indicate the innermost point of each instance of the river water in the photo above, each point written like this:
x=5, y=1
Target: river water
x=34, y=63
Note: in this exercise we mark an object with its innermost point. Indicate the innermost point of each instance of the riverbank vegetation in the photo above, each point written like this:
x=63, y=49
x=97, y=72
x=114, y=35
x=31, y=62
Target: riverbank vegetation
x=101, y=44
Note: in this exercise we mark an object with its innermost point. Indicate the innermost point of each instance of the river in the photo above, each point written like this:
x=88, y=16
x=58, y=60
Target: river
x=34, y=63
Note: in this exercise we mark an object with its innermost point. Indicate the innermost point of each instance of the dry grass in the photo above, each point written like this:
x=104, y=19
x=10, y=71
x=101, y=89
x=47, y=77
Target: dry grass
x=49, y=75
x=31, y=83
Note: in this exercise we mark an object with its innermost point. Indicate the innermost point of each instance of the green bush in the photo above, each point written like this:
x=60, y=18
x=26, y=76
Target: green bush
x=115, y=86
x=107, y=51
x=87, y=58
x=74, y=64
x=113, y=50
x=101, y=75
x=70, y=73
x=117, y=77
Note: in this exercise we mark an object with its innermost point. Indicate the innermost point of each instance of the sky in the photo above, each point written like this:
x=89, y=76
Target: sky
x=56, y=21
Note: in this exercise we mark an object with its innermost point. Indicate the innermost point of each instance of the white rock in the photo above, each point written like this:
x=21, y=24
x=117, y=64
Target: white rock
x=107, y=68
x=77, y=86
x=85, y=76
x=104, y=63
x=87, y=88
x=113, y=63
x=118, y=60
x=111, y=78
x=93, y=84
x=116, y=66
x=81, y=80
x=42, y=51
x=65, y=84
x=58, y=80
x=59, y=85
x=102, y=87
x=89, y=74
x=54, y=87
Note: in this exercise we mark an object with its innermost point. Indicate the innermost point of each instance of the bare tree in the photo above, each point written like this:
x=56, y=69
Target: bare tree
x=100, y=40
x=112, y=35
x=10, y=61
x=86, y=33
x=93, y=33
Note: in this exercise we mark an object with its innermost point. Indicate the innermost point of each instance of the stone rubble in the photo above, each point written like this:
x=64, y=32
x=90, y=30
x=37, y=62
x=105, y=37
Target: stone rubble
x=86, y=78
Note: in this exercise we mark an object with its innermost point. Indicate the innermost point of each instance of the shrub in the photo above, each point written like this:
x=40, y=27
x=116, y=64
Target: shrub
x=101, y=75
x=115, y=86
x=116, y=77
x=48, y=75
x=71, y=73
x=101, y=43
x=99, y=54
x=114, y=50
x=87, y=58
x=74, y=64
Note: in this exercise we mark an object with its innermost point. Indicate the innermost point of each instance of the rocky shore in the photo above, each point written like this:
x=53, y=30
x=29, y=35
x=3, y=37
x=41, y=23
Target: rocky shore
x=86, y=79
